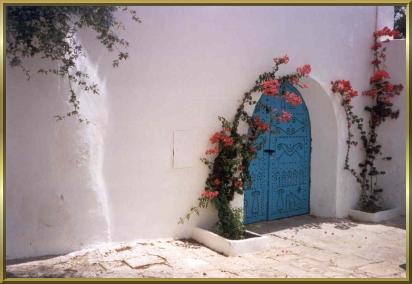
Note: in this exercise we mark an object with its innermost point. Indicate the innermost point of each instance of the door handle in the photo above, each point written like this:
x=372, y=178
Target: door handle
x=269, y=151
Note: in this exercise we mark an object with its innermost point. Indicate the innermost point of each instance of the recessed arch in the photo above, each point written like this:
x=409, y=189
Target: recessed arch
x=325, y=157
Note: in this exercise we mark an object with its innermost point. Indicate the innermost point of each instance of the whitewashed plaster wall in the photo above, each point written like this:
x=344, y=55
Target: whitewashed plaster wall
x=392, y=133
x=135, y=169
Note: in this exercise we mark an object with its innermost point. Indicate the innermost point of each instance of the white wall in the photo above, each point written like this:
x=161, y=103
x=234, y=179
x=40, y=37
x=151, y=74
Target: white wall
x=324, y=159
x=187, y=65
x=392, y=132
x=55, y=197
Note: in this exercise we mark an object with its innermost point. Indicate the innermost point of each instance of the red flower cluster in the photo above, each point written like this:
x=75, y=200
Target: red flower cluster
x=341, y=86
x=379, y=75
x=392, y=88
x=261, y=125
x=387, y=89
x=285, y=116
x=371, y=93
x=223, y=138
x=212, y=151
x=281, y=60
x=344, y=88
x=210, y=194
x=304, y=70
x=387, y=32
x=293, y=99
x=271, y=87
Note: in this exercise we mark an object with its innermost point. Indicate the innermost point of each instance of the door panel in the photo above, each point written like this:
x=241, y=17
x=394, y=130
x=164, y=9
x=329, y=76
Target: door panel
x=255, y=196
x=281, y=176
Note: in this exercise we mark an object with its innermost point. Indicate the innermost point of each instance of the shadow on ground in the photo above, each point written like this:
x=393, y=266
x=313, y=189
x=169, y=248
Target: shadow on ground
x=313, y=222
x=28, y=259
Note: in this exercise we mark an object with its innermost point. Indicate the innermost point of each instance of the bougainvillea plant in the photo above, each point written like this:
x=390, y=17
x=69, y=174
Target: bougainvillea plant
x=232, y=152
x=381, y=94
x=50, y=32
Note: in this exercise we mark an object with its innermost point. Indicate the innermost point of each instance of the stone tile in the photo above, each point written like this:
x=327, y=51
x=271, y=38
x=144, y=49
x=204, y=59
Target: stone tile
x=381, y=269
x=350, y=261
x=301, y=247
x=143, y=261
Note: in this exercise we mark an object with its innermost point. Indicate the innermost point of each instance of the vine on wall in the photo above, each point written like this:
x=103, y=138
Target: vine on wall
x=50, y=32
x=381, y=93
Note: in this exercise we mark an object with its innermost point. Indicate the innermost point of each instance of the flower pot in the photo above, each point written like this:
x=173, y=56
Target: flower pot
x=252, y=243
x=376, y=217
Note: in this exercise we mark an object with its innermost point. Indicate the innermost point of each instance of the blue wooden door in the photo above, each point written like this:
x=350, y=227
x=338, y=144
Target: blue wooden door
x=281, y=170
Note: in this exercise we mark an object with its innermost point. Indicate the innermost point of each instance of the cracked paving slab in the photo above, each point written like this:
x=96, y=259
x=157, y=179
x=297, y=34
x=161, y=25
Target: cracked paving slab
x=300, y=247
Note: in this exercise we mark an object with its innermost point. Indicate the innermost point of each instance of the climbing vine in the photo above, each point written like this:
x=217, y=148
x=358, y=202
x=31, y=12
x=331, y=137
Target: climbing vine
x=50, y=32
x=381, y=93
x=231, y=152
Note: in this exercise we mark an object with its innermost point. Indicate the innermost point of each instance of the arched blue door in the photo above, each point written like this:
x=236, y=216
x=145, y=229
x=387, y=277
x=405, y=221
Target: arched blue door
x=281, y=170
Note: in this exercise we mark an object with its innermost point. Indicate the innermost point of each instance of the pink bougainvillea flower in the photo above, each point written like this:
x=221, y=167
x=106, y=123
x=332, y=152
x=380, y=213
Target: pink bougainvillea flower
x=215, y=138
x=293, y=99
x=379, y=75
x=271, y=87
x=353, y=93
x=212, y=151
x=228, y=141
x=210, y=194
x=304, y=70
x=389, y=87
x=285, y=116
x=252, y=149
x=281, y=60
x=344, y=88
x=261, y=125
x=223, y=138
x=340, y=86
x=385, y=31
x=376, y=46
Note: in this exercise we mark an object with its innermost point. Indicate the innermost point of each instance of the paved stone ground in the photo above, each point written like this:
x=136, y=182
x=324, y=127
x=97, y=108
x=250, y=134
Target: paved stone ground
x=301, y=247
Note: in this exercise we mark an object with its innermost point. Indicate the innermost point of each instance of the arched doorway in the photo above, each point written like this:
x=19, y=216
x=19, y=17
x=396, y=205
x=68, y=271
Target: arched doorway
x=281, y=170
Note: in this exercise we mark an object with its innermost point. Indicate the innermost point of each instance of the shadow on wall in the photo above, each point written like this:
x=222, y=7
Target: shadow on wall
x=55, y=192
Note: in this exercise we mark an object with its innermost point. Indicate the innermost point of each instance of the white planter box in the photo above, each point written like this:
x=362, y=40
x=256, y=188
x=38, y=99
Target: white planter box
x=231, y=247
x=373, y=217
